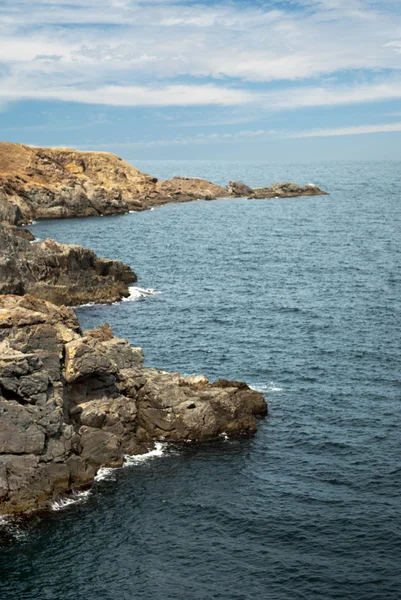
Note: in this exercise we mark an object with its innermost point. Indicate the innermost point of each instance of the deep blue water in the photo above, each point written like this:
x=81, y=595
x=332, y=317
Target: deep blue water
x=301, y=298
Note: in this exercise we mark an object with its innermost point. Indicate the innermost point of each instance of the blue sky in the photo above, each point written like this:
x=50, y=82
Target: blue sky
x=296, y=79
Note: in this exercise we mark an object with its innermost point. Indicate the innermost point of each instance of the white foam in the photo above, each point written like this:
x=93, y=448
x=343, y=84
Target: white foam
x=137, y=293
x=75, y=498
x=265, y=388
x=157, y=452
x=86, y=305
x=11, y=526
x=105, y=474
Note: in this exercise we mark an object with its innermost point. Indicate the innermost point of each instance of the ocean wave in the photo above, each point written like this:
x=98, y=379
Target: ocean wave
x=137, y=293
x=106, y=474
x=158, y=451
x=75, y=498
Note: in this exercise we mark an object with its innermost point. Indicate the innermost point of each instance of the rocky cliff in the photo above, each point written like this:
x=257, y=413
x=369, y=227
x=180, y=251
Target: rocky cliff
x=43, y=183
x=72, y=402
x=63, y=274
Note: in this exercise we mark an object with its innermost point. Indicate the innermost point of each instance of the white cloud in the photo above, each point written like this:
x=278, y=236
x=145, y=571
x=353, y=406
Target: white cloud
x=169, y=39
x=289, y=98
x=382, y=90
x=250, y=135
x=172, y=95
x=339, y=131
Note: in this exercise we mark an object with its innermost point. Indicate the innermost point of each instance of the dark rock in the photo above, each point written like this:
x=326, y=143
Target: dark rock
x=72, y=403
x=63, y=274
x=286, y=190
x=237, y=188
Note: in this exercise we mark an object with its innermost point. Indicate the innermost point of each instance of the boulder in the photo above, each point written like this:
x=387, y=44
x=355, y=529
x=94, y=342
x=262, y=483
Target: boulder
x=237, y=188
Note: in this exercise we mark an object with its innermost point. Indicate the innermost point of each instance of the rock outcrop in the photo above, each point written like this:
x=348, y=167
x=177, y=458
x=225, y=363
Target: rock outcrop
x=63, y=274
x=43, y=183
x=72, y=402
x=238, y=189
x=286, y=190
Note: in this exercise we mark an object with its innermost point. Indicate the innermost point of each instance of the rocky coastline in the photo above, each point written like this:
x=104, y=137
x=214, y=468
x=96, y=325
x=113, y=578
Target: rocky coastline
x=56, y=183
x=73, y=401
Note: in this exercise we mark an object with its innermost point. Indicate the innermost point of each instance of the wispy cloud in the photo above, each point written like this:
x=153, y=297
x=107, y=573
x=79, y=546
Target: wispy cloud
x=200, y=139
x=256, y=59
x=288, y=98
x=339, y=131
x=97, y=40
x=249, y=135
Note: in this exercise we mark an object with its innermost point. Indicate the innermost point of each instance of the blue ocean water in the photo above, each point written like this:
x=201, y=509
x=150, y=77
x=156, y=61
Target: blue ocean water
x=299, y=297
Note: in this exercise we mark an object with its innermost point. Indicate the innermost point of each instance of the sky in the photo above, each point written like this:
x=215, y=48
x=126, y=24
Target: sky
x=182, y=79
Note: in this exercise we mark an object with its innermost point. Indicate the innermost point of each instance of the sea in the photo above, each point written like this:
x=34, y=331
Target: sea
x=301, y=298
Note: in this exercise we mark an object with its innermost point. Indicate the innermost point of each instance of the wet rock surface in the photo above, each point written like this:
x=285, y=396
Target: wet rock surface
x=72, y=402
x=63, y=274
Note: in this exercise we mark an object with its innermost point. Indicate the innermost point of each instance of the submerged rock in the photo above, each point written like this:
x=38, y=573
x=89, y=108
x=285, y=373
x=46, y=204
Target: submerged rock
x=72, y=402
x=63, y=274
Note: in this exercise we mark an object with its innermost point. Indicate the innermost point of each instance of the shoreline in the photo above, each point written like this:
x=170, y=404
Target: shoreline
x=85, y=397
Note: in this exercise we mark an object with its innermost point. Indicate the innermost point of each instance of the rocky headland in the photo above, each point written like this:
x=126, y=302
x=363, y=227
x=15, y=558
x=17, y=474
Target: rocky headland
x=72, y=402
x=45, y=183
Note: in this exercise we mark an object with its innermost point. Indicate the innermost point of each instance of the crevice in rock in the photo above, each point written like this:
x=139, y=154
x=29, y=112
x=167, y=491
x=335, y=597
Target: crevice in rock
x=10, y=395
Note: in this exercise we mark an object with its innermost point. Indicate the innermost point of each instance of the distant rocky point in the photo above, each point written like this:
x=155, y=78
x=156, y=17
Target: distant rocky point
x=276, y=190
x=45, y=183
x=72, y=402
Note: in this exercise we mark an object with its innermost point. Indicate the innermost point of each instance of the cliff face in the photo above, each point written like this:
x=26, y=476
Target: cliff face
x=72, y=402
x=41, y=183
x=63, y=274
